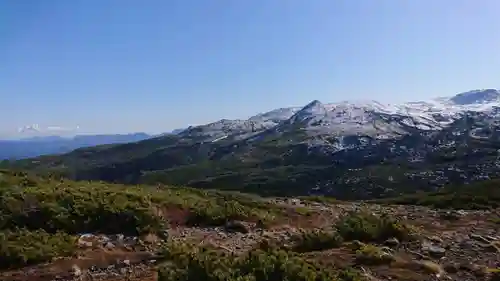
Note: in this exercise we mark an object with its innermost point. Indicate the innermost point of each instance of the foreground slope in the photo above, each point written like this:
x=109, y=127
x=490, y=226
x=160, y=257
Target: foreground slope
x=351, y=150
x=63, y=230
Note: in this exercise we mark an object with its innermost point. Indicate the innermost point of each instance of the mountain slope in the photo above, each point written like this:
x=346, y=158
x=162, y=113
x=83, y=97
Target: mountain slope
x=350, y=150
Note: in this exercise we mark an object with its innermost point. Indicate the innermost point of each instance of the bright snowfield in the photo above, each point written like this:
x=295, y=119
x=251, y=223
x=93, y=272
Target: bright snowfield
x=361, y=118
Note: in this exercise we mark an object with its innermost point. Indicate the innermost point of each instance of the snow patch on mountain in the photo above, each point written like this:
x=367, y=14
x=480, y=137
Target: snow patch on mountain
x=357, y=118
x=486, y=96
x=276, y=115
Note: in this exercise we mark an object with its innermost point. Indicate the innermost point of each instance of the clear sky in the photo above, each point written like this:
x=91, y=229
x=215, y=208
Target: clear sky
x=112, y=66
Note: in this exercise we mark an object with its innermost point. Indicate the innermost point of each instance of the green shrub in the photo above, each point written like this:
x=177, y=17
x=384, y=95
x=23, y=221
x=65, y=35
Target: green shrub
x=217, y=213
x=185, y=263
x=22, y=247
x=372, y=255
x=303, y=211
x=367, y=227
x=77, y=207
x=76, y=210
x=316, y=241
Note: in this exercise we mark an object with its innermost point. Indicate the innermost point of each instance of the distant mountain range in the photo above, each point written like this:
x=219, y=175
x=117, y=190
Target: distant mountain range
x=14, y=149
x=347, y=149
x=36, y=146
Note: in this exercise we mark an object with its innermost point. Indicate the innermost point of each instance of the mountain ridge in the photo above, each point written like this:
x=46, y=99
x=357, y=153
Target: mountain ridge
x=351, y=150
x=426, y=115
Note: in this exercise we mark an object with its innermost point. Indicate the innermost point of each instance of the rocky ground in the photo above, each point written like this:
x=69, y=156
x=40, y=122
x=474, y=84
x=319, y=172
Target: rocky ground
x=453, y=245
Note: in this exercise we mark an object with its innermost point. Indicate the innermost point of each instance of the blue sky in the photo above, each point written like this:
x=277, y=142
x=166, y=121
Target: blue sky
x=112, y=66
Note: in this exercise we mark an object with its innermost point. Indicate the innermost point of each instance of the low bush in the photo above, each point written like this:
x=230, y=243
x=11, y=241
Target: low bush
x=79, y=207
x=38, y=215
x=316, y=241
x=193, y=264
x=219, y=213
x=22, y=247
x=372, y=255
x=367, y=227
x=74, y=209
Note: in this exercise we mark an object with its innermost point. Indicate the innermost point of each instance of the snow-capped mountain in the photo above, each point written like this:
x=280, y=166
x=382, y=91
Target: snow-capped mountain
x=361, y=149
x=368, y=118
x=488, y=96
x=276, y=115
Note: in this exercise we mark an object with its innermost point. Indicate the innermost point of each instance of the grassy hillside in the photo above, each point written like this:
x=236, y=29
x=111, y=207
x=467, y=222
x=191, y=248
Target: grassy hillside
x=194, y=234
x=34, y=209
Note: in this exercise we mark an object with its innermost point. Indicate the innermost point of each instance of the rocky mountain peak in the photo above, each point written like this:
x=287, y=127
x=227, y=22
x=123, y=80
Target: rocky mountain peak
x=477, y=97
x=313, y=109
